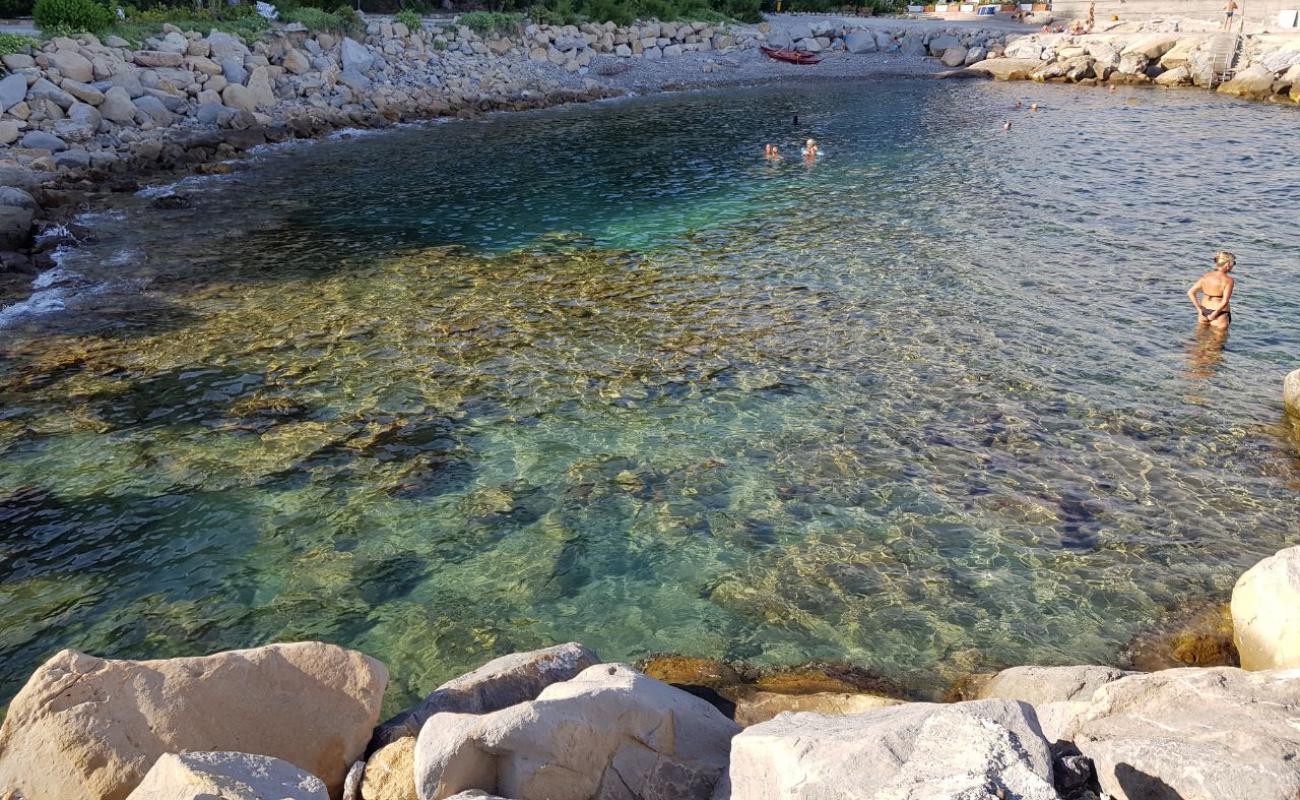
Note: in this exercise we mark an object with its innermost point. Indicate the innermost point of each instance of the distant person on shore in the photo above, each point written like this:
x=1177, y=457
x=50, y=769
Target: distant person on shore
x=771, y=153
x=1215, y=288
x=811, y=150
x=1229, y=9
x=1092, y=16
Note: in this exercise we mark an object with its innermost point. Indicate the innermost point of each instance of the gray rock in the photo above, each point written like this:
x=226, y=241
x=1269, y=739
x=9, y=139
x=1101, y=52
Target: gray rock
x=174, y=43
x=917, y=751
x=158, y=58
x=116, y=41
x=209, y=113
x=72, y=159
x=13, y=90
x=40, y=140
x=352, y=783
x=231, y=776
x=610, y=733
x=72, y=64
x=233, y=70
x=860, y=42
x=294, y=61
x=44, y=90
x=226, y=46
x=1217, y=733
x=10, y=129
x=153, y=108
x=912, y=45
x=502, y=682
x=355, y=55
x=954, y=56
x=13, y=197
x=940, y=44
x=83, y=92
x=175, y=103
x=117, y=106
x=16, y=61
x=85, y=114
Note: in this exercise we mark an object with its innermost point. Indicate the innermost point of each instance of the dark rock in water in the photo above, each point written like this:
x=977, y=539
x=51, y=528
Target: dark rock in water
x=171, y=201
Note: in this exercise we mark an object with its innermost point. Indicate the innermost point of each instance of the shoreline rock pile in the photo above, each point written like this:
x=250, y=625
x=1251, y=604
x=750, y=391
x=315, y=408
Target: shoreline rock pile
x=292, y=721
x=1267, y=69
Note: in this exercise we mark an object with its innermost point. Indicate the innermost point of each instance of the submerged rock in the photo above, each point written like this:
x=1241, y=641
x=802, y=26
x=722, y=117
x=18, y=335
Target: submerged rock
x=86, y=728
x=611, y=733
x=1266, y=612
x=501, y=682
x=979, y=748
x=229, y=776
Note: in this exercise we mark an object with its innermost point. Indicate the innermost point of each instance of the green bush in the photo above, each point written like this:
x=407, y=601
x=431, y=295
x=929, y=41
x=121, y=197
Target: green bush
x=13, y=43
x=485, y=22
x=409, y=18
x=71, y=15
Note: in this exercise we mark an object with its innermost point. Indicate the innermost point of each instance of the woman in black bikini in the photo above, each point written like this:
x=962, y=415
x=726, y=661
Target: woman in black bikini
x=1216, y=288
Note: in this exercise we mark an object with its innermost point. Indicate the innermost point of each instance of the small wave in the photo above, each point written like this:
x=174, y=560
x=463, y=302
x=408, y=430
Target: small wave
x=51, y=291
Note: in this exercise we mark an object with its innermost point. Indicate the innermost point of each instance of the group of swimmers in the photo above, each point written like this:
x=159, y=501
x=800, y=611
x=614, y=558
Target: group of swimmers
x=810, y=151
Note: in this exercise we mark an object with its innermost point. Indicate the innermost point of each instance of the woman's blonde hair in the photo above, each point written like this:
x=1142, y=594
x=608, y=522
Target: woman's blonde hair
x=1224, y=257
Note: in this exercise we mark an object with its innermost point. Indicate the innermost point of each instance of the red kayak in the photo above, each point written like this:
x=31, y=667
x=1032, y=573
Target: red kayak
x=790, y=56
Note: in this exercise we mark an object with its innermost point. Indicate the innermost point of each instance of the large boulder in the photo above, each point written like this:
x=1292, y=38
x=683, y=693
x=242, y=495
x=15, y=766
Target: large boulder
x=502, y=682
x=1266, y=613
x=940, y=44
x=13, y=90
x=228, y=776
x=611, y=733
x=1255, y=83
x=1058, y=694
x=859, y=42
x=390, y=772
x=72, y=64
x=1007, y=69
x=1291, y=385
x=1195, y=734
x=223, y=46
x=954, y=56
x=86, y=728
x=261, y=87
x=356, y=55
x=1024, y=48
x=1151, y=47
x=118, y=106
x=915, y=751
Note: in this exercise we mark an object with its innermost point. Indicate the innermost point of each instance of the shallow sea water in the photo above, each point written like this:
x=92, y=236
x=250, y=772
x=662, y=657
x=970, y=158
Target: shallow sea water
x=934, y=404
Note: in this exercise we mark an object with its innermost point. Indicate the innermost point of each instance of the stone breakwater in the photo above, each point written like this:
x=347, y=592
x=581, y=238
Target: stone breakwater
x=298, y=722
x=1267, y=68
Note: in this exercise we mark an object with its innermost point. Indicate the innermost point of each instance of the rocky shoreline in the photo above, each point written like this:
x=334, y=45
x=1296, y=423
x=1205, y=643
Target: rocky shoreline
x=1267, y=68
x=300, y=722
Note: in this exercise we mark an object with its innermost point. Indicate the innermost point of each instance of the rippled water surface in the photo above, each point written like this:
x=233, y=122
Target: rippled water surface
x=934, y=404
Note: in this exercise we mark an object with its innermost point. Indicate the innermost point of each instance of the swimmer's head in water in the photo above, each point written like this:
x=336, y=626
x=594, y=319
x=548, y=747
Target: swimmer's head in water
x=810, y=144
x=1224, y=260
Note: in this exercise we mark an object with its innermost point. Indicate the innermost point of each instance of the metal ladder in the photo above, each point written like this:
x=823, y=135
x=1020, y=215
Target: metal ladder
x=1225, y=50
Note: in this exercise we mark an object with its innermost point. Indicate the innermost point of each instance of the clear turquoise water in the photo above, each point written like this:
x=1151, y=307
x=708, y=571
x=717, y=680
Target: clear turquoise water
x=934, y=404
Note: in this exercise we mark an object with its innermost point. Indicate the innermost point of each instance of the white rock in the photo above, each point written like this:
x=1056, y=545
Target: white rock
x=501, y=682
x=1266, y=613
x=1196, y=734
x=1058, y=694
x=1291, y=387
x=611, y=733
x=915, y=750
x=229, y=776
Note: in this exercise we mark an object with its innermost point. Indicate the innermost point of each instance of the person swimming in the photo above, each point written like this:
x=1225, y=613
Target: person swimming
x=1033, y=107
x=1019, y=104
x=811, y=150
x=1216, y=288
x=771, y=153
x=1006, y=125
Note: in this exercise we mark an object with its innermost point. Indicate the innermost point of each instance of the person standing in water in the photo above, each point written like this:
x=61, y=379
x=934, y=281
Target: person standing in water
x=1215, y=287
x=811, y=150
